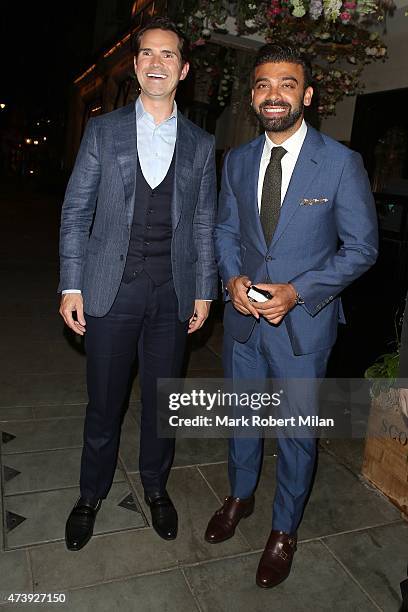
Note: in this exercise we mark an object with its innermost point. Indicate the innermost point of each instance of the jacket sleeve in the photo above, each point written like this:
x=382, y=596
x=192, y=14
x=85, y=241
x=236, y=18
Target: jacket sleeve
x=203, y=229
x=356, y=222
x=78, y=210
x=227, y=230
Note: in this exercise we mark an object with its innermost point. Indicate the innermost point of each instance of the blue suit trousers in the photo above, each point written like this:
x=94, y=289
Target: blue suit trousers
x=268, y=354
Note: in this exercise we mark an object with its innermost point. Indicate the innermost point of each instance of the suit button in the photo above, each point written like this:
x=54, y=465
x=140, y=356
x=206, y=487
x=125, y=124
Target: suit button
x=150, y=211
x=121, y=258
x=147, y=243
x=148, y=227
x=268, y=258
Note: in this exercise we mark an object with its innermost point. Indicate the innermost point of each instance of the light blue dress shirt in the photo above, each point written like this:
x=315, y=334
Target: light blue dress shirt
x=155, y=144
x=155, y=148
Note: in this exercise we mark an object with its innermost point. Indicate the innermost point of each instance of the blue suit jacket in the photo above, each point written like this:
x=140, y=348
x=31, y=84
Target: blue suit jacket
x=102, y=190
x=320, y=248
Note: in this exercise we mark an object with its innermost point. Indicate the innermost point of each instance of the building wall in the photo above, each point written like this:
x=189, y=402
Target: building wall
x=378, y=76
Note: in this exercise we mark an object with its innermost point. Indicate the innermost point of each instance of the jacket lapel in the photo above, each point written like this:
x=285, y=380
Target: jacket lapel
x=185, y=152
x=304, y=173
x=250, y=177
x=125, y=138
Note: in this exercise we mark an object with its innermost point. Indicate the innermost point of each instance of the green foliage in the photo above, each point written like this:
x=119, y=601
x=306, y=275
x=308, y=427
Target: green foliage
x=383, y=373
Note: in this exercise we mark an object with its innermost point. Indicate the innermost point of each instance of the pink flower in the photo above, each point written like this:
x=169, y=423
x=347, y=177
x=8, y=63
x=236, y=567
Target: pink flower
x=349, y=5
x=199, y=42
x=345, y=17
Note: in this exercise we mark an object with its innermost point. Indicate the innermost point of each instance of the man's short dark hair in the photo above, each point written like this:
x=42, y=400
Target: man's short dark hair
x=283, y=53
x=163, y=23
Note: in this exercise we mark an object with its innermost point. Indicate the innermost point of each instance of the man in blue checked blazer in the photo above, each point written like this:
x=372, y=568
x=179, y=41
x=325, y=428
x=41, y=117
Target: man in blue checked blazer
x=297, y=219
x=137, y=267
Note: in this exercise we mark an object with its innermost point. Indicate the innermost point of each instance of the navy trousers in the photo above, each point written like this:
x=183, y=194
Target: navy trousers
x=143, y=321
x=268, y=354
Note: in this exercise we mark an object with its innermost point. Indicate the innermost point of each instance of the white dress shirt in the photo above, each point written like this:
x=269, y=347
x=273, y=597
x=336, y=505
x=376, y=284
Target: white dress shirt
x=292, y=145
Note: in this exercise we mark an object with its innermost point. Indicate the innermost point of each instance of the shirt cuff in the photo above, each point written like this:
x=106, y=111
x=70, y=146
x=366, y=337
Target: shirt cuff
x=70, y=291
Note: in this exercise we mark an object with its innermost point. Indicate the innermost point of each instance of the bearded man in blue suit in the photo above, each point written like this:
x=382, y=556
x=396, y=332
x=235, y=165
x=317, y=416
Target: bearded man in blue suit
x=297, y=219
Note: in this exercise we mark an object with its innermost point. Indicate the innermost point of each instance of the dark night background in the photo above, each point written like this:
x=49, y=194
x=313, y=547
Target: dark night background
x=51, y=42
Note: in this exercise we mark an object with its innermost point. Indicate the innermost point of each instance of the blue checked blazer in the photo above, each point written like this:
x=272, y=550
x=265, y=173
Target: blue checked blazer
x=98, y=210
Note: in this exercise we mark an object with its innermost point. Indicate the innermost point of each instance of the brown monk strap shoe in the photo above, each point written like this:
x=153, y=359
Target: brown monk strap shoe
x=276, y=561
x=223, y=524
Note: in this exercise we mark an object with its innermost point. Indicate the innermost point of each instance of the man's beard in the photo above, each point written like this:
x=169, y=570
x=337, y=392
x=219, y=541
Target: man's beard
x=278, y=124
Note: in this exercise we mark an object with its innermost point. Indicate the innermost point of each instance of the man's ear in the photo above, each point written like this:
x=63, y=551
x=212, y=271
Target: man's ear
x=307, y=97
x=184, y=71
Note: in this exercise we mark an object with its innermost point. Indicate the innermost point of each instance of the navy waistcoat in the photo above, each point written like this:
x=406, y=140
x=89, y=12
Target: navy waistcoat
x=151, y=233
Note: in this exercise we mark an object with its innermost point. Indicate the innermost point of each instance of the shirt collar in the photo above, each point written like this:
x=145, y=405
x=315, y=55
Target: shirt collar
x=293, y=144
x=142, y=113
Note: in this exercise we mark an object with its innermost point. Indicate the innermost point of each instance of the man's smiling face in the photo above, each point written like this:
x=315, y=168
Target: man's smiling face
x=158, y=64
x=279, y=96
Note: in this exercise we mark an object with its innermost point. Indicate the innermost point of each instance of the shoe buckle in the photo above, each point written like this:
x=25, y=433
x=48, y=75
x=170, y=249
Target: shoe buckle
x=283, y=555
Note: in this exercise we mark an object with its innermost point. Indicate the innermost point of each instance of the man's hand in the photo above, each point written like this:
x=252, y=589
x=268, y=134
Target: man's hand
x=237, y=288
x=283, y=300
x=73, y=302
x=201, y=312
x=403, y=398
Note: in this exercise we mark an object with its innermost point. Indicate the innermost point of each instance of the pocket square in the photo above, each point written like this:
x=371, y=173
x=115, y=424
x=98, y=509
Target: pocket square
x=313, y=201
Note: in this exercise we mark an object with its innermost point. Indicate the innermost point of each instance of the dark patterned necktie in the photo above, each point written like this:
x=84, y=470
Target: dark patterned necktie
x=271, y=194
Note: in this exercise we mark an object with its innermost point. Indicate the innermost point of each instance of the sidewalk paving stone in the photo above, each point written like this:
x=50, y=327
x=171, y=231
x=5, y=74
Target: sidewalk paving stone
x=317, y=582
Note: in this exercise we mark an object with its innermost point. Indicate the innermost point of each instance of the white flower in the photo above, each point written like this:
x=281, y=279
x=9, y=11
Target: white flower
x=298, y=8
x=332, y=9
x=199, y=15
x=315, y=9
x=250, y=23
x=206, y=32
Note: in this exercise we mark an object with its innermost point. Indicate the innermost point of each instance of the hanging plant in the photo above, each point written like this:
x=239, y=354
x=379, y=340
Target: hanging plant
x=214, y=74
x=338, y=35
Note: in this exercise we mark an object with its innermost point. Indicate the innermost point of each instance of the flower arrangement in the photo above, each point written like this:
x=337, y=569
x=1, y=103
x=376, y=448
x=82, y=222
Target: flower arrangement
x=338, y=35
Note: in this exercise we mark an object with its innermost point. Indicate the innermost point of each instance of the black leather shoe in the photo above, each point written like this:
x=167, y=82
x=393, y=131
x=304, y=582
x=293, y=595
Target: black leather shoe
x=164, y=515
x=80, y=523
